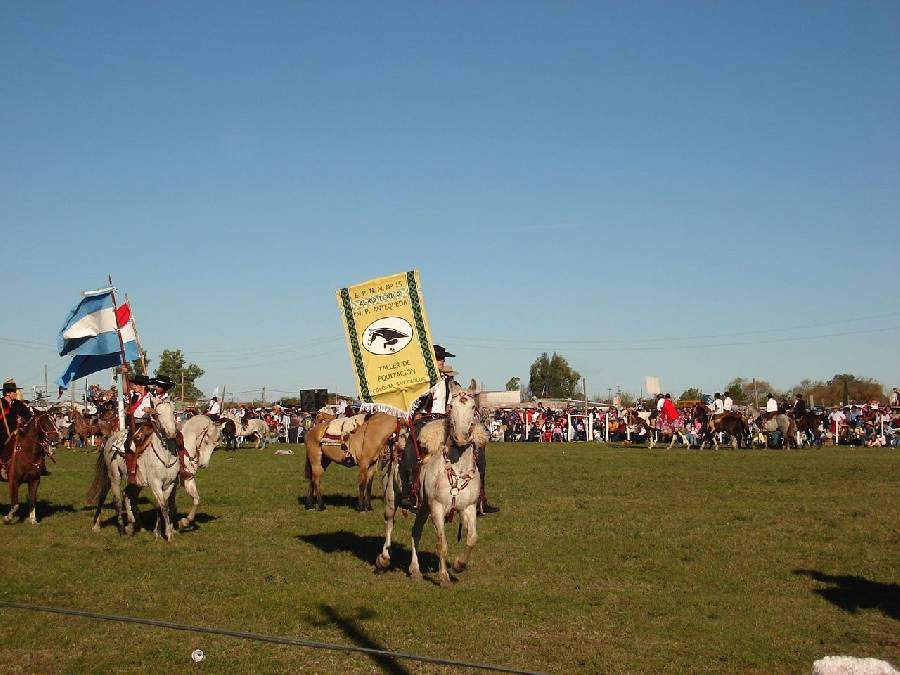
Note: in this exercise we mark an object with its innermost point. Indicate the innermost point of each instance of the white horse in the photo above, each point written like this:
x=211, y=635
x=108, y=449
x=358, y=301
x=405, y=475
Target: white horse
x=252, y=427
x=448, y=482
x=200, y=436
x=157, y=468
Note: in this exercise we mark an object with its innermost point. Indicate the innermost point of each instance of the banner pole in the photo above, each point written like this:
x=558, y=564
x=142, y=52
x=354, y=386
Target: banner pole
x=137, y=336
x=125, y=383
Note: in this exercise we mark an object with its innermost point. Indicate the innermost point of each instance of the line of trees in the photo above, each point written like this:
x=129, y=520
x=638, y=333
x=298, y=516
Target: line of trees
x=551, y=376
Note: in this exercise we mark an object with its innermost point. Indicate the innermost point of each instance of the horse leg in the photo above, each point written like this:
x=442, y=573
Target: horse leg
x=132, y=511
x=190, y=486
x=13, y=496
x=437, y=519
x=383, y=561
x=162, y=510
x=171, y=512
x=469, y=517
x=101, y=500
x=370, y=478
x=417, y=527
x=319, y=496
x=362, y=479
x=32, y=500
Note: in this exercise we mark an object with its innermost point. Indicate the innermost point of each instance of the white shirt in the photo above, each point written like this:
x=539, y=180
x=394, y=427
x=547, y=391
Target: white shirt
x=213, y=408
x=439, y=396
x=771, y=405
x=729, y=403
x=719, y=406
x=659, y=404
x=143, y=405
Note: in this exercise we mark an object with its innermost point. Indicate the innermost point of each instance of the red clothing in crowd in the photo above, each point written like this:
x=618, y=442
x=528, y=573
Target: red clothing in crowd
x=669, y=413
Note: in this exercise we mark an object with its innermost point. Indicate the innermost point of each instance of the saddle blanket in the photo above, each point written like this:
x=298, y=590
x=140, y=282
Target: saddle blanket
x=339, y=428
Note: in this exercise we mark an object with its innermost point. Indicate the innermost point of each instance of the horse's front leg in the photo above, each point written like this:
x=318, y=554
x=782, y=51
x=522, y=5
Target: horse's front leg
x=132, y=511
x=13, y=496
x=437, y=519
x=469, y=517
x=190, y=486
x=32, y=500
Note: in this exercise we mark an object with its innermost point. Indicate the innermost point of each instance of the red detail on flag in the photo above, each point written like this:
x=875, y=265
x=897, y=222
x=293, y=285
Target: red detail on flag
x=123, y=315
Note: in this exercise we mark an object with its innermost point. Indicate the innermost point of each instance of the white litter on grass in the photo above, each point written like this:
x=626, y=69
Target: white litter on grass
x=284, y=451
x=851, y=665
x=198, y=655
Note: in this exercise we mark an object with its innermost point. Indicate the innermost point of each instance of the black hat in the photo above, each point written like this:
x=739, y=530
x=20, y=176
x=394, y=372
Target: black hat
x=162, y=381
x=440, y=353
x=142, y=380
x=10, y=385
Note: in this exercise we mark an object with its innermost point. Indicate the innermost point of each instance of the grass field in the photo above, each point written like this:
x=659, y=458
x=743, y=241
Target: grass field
x=601, y=560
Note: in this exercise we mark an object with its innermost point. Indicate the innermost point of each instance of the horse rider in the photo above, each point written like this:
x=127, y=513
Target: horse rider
x=660, y=402
x=139, y=408
x=668, y=412
x=213, y=409
x=13, y=410
x=718, y=405
x=799, y=407
x=728, y=402
x=430, y=406
x=161, y=385
x=771, y=406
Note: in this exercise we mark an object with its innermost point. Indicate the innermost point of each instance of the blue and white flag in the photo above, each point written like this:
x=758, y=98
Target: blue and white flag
x=91, y=334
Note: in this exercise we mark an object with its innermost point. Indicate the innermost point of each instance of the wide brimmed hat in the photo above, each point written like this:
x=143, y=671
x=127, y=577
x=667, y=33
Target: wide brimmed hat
x=10, y=385
x=162, y=381
x=142, y=380
x=440, y=353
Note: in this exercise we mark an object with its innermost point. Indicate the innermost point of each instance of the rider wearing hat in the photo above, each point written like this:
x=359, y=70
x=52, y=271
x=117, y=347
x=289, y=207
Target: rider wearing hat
x=161, y=385
x=429, y=406
x=138, y=410
x=13, y=409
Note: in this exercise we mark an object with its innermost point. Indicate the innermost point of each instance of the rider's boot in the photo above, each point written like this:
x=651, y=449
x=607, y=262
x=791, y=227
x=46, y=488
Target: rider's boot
x=409, y=498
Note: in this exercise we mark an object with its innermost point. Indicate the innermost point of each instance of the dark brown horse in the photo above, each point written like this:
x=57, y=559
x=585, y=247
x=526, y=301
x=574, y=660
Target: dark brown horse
x=810, y=422
x=26, y=450
x=101, y=426
x=732, y=424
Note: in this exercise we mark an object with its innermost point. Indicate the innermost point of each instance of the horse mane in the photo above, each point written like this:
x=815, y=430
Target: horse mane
x=433, y=436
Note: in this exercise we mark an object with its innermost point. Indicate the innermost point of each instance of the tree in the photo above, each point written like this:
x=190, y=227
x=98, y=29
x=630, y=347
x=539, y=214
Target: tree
x=290, y=401
x=552, y=377
x=513, y=384
x=690, y=394
x=844, y=388
x=626, y=400
x=745, y=391
x=172, y=365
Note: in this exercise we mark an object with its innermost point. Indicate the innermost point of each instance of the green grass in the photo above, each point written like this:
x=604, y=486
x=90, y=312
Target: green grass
x=601, y=560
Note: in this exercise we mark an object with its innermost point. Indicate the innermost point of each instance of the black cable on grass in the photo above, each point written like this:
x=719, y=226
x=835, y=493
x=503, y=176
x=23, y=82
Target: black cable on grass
x=261, y=637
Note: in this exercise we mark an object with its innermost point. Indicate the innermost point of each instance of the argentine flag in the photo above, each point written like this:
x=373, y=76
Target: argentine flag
x=91, y=334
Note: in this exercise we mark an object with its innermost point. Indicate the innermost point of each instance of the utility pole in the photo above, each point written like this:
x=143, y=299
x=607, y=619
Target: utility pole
x=264, y=395
x=182, y=386
x=755, y=394
x=46, y=386
x=584, y=384
x=609, y=395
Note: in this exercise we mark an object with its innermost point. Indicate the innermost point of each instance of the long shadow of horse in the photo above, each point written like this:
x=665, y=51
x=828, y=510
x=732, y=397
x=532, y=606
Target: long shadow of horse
x=147, y=519
x=852, y=593
x=346, y=501
x=367, y=548
x=350, y=625
x=43, y=509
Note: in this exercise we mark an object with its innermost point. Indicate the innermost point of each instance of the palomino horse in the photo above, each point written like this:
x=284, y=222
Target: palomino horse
x=375, y=434
x=27, y=448
x=448, y=482
x=157, y=468
x=778, y=422
x=199, y=436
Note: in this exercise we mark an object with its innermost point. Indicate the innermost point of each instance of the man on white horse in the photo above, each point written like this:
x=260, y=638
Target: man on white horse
x=432, y=405
x=138, y=411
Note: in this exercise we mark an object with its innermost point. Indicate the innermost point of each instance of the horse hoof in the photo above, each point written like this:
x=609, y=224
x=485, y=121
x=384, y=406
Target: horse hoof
x=382, y=562
x=183, y=523
x=34, y=522
x=459, y=566
x=321, y=507
x=7, y=520
x=445, y=581
x=416, y=575
x=96, y=527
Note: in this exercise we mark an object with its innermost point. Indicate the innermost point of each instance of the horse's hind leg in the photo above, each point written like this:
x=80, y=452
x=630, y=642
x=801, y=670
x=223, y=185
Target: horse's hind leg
x=417, y=527
x=469, y=517
x=383, y=561
x=190, y=486
x=13, y=497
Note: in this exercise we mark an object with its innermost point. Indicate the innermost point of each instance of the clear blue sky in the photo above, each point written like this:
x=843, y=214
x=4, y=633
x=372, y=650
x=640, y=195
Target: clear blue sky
x=596, y=179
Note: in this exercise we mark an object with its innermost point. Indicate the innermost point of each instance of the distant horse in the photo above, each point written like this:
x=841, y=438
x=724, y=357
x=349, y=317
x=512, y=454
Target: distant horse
x=701, y=414
x=249, y=426
x=448, y=482
x=369, y=436
x=101, y=426
x=158, y=468
x=776, y=422
x=811, y=424
x=26, y=449
x=731, y=423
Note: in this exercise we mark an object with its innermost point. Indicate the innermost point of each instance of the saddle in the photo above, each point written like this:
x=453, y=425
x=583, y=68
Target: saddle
x=338, y=432
x=141, y=438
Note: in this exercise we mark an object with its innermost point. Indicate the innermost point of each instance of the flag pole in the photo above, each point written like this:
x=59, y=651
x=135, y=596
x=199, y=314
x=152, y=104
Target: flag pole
x=124, y=371
x=137, y=336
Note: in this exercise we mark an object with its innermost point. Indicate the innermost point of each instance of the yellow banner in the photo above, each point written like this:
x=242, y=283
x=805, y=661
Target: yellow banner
x=389, y=341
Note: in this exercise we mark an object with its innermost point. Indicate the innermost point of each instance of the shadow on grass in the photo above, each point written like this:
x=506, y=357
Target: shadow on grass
x=350, y=625
x=367, y=548
x=43, y=509
x=346, y=501
x=852, y=593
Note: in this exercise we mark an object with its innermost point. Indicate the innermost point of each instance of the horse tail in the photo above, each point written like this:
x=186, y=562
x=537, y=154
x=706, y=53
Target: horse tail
x=100, y=482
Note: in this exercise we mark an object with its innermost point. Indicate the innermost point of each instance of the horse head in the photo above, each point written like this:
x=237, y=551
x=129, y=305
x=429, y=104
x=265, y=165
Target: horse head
x=165, y=415
x=462, y=414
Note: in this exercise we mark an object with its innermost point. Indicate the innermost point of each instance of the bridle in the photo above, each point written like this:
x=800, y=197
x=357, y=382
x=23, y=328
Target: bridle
x=463, y=397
